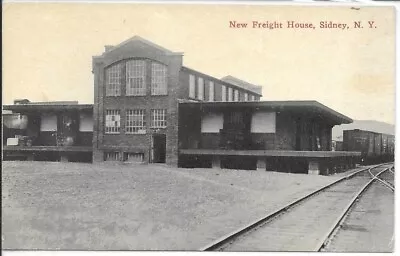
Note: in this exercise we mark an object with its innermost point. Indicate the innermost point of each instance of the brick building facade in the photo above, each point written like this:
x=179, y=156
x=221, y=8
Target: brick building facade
x=137, y=87
x=149, y=108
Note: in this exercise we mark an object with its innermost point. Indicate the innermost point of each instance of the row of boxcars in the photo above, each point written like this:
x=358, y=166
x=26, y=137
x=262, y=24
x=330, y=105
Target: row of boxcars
x=374, y=147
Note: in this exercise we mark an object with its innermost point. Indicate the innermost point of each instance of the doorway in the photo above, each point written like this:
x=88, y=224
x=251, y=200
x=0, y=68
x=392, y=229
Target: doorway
x=159, y=148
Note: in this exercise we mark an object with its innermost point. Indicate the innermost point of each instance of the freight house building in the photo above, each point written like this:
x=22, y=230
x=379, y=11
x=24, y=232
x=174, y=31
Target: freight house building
x=150, y=108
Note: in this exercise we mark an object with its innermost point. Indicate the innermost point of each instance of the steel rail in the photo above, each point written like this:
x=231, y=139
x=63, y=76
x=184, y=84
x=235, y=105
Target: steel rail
x=325, y=240
x=387, y=184
x=244, y=229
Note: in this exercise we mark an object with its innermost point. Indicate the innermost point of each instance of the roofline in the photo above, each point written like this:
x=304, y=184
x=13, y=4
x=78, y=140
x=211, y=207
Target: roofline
x=361, y=130
x=141, y=39
x=221, y=81
x=275, y=104
x=240, y=81
x=51, y=106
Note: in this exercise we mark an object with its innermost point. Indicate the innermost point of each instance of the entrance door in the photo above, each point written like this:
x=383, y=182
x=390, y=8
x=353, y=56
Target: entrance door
x=66, y=129
x=159, y=148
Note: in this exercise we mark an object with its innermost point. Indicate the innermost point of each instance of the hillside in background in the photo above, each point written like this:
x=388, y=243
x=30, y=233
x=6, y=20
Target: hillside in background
x=368, y=125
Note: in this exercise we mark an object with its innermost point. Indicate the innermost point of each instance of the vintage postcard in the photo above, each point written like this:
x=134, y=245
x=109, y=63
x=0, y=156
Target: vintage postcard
x=198, y=127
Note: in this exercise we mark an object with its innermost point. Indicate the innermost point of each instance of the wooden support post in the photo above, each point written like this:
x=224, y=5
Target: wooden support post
x=313, y=167
x=261, y=164
x=216, y=162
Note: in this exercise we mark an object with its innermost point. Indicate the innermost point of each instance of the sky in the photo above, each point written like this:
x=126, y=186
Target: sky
x=48, y=49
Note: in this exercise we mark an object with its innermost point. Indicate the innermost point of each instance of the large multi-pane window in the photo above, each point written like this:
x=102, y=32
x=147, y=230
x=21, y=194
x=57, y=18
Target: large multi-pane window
x=230, y=95
x=158, y=118
x=113, y=80
x=252, y=98
x=192, y=87
x=223, y=92
x=210, y=91
x=113, y=121
x=236, y=95
x=135, y=77
x=135, y=121
x=200, y=88
x=246, y=96
x=158, y=79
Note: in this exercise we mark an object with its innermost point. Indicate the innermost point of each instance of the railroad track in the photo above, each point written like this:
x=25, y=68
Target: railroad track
x=371, y=213
x=305, y=224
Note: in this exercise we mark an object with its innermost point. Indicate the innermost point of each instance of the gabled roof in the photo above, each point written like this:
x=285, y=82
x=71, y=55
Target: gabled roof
x=243, y=84
x=144, y=41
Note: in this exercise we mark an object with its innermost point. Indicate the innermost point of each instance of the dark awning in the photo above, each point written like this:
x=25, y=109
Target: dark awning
x=308, y=107
x=21, y=108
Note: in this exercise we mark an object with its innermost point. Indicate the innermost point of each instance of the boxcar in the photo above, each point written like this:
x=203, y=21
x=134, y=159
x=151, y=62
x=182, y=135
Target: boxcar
x=374, y=147
x=389, y=150
x=378, y=144
x=357, y=140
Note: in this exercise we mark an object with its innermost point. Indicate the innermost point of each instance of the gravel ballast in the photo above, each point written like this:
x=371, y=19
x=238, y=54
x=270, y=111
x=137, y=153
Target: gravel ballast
x=136, y=207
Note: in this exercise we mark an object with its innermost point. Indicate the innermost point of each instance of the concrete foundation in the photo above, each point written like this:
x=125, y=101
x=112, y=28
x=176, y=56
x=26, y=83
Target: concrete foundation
x=313, y=167
x=216, y=162
x=98, y=155
x=261, y=164
x=64, y=158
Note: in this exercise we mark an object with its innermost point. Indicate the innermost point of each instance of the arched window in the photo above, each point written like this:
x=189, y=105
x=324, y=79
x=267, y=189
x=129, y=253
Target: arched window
x=135, y=78
x=158, y=79
x=113, y=80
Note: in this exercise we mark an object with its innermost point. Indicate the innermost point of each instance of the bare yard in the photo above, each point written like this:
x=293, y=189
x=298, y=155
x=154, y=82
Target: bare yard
x=136, y=207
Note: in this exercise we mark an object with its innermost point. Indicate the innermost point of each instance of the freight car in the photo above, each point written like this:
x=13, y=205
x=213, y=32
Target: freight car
x=374, y=147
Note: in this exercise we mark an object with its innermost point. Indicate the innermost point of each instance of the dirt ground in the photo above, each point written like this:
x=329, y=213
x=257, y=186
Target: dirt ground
x=136, y=207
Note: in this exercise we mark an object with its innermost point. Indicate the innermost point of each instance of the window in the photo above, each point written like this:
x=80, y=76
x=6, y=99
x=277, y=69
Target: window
x=251, y=97
x=135, y=121
x=158, y=118
x=212, y=122
x=200, y=88
x=48, y=123
x=230, y=96
x=236, y=95
x=111, y=156
x=133, y=157
x=135, y=78
x=223, y=93
x=113, y=80
x=85, y=122
x=112, y=121
x=263, y=122
x=246, y=96
x=158, y=79
x=192, y=87
x=211, y=91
